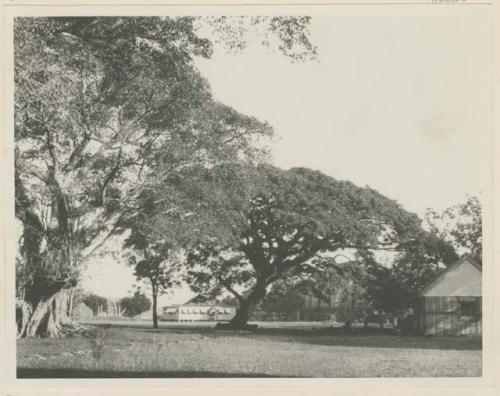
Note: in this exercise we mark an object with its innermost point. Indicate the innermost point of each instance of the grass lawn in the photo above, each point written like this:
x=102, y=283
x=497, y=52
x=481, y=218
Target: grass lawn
x=130, y=350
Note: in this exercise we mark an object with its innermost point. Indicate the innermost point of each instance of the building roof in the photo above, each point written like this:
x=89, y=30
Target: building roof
x=81, y=304
x=219, y=305
x=199, y=301
x=452, y=267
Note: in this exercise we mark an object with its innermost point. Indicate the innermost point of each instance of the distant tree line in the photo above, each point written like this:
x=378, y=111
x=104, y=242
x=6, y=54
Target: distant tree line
x=128, y=306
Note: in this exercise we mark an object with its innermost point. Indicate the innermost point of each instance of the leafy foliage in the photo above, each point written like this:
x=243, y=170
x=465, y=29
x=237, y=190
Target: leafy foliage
x=285, y=297
x=157, y=267
x=136, y=304
x=339, y=288
x=460, y=225
x=132, y=103
x=393, y=289
x=155, y=263
x=288, y=33
x=95, y=302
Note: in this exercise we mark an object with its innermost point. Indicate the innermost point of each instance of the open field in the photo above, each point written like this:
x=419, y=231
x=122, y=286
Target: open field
x=200, y=351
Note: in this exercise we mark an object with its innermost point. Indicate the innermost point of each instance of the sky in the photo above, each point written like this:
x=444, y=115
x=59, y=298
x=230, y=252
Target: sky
x=398, y=99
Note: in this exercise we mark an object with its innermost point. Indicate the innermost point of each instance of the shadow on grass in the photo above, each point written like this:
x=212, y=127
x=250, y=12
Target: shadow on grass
x=334, y=336
x=78, y=373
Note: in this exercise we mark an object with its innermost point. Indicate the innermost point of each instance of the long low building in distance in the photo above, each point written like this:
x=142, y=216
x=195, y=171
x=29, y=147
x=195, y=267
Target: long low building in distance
x=191, y=312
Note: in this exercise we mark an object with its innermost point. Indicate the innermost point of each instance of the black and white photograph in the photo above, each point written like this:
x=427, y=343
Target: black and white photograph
x=249, y=193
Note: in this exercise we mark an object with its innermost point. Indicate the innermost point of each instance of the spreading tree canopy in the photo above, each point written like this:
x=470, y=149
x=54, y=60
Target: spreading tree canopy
x=251, y=226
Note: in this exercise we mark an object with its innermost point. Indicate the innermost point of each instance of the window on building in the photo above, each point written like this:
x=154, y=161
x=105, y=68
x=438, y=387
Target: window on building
x=468, y=308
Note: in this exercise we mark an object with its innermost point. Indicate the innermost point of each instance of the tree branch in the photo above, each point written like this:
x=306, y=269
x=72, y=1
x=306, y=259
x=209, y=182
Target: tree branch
x=108, y=235
x=76, y=156
x=235, y=136
x=228, y=287
x=110, y=177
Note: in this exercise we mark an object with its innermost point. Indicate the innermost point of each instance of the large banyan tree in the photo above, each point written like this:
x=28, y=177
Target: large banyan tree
x=102, y=105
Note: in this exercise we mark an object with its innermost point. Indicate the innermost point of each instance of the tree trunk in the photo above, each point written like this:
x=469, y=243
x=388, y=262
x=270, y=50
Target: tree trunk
x=71, y=299
x=240, y=320
x=50, y=316
x=348, y=325
x=155, y=313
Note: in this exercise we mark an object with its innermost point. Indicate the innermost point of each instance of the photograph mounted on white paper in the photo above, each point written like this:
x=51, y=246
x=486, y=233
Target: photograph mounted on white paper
x=251, y=195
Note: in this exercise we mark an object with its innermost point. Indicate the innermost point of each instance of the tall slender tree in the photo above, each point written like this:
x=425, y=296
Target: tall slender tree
x=156, y=263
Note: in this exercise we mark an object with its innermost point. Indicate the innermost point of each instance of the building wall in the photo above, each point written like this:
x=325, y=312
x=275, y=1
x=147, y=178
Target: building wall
x=193, y=313
x=82, y=312
x=169, y=316
x=451, y=315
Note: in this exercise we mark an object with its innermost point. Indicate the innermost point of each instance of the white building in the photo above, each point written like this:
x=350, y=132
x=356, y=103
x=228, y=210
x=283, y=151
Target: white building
x=197, y=312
